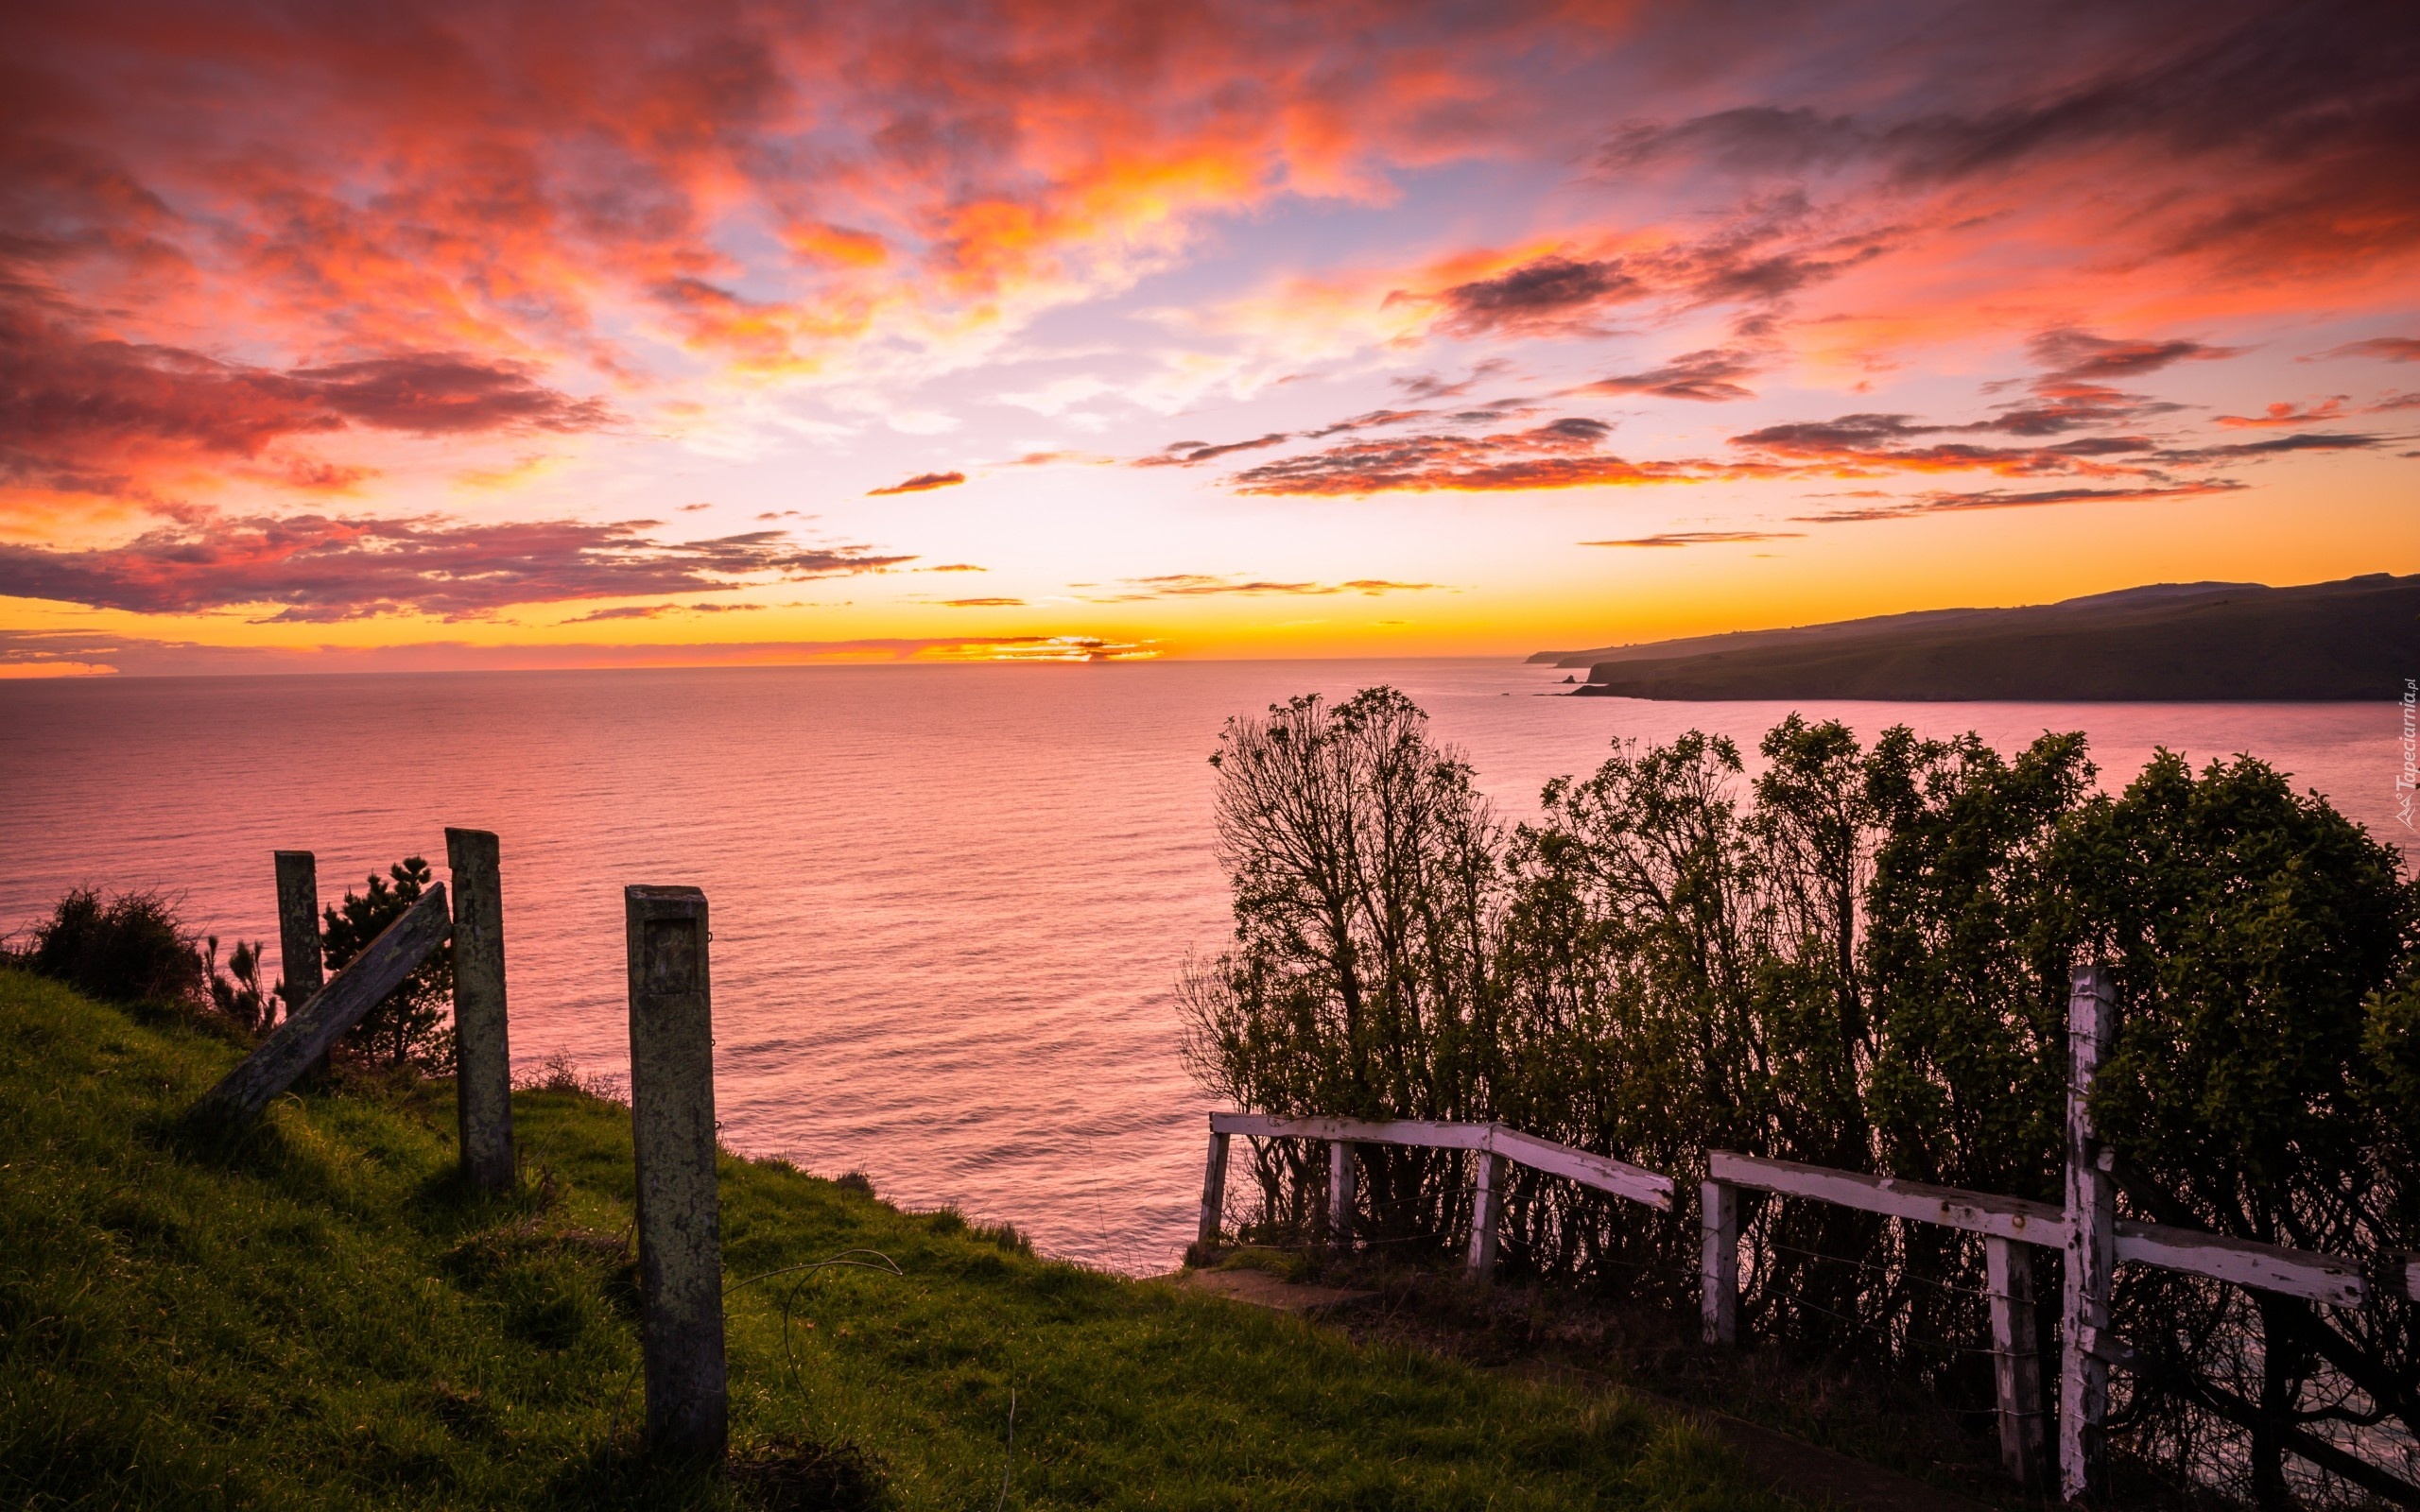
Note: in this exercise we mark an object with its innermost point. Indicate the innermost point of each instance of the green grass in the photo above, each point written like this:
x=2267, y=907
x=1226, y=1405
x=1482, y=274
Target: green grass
x=316, y=1314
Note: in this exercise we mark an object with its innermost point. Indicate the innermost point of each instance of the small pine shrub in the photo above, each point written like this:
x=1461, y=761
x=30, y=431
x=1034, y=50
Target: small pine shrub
x=412, y=1026
x=241, y=993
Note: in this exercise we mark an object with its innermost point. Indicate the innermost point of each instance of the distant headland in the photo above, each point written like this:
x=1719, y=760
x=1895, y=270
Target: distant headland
x=2354, y=640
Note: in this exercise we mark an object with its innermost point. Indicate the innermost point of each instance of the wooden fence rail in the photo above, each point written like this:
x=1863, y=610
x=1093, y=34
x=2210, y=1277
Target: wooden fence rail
x=304, y=1039
x=1492, y=1143
x=2095, y=1240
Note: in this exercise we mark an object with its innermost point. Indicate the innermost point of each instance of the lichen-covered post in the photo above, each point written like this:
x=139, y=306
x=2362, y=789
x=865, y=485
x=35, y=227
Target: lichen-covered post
x=2092, y=1246
x=482, y=1053
x=300, y=967
x=1213, y=1189
x=2016, y=1367
x=672, y=1128
x=1486, y=1204
x=1718, y=1262
x=1339, y=1193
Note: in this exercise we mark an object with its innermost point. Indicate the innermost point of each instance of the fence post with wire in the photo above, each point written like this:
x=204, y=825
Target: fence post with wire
x=482, y=1045
x=672, y=1135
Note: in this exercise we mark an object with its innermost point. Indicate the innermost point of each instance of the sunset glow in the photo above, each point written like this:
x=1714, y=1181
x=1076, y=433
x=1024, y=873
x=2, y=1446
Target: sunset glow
x=617, y=335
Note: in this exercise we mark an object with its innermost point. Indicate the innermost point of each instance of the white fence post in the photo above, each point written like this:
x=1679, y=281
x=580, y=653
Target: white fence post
x=1718, y=1262
x=1213, y=1189
x=2092, y=1246
x=2016, y=1367
x=1484, y=1205
x=1339, y=1193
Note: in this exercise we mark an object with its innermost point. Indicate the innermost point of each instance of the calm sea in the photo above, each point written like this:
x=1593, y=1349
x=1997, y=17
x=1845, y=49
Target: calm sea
x=949, y=902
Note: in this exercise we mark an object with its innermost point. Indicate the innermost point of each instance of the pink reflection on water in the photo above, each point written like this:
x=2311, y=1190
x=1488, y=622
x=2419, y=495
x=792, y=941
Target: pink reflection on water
x=950, y=901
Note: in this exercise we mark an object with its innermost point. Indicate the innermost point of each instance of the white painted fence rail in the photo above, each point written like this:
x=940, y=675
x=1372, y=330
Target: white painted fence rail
x=2327, y=1279
x=1976, y=1212
x=1493, y=1142
x=2007, y=1225
x=2093, y=1238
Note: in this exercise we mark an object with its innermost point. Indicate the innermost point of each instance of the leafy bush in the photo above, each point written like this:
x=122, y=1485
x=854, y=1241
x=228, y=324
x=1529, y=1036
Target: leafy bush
x=2255, y=1090
x=129, y=948
x=135, y=948
x=1857, y=958
x=411, y=1026
x=1367, y=888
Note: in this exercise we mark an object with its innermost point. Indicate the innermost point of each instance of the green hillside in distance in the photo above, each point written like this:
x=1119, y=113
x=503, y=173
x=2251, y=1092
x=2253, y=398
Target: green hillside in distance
x=2183, y=642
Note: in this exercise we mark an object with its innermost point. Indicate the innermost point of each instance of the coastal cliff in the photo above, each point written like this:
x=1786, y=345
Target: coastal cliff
x=2353, y=640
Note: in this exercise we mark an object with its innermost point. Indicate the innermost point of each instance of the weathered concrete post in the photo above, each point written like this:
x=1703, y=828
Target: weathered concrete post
x=1718, y=1262
x=1339, y=1193
x=2016, y=1367
x=2092, y=1246
x=298, y=930
x=672, y=1128
x=1213, y=1189
x=482, y=1053
x=1485, y=1205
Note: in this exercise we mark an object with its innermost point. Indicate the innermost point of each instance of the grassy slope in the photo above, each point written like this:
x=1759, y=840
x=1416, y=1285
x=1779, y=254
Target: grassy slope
x=318, y=1316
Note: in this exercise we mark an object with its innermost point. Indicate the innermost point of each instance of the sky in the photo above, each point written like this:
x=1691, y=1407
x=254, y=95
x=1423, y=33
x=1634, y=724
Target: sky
x=530, y=334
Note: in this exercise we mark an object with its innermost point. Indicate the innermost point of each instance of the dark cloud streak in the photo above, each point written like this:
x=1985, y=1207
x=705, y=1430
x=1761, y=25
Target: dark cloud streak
x=1706, y=376
x=320, y=568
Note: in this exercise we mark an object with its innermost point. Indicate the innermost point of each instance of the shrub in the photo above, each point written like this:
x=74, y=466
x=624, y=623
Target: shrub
x=240, y=995
x=129, y=948
x=2255, y=936
x=1857, y=958
x=411, y=1026
x=1367, y=889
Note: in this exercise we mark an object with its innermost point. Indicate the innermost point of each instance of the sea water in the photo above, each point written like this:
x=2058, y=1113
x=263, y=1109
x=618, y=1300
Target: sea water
x=950, y=904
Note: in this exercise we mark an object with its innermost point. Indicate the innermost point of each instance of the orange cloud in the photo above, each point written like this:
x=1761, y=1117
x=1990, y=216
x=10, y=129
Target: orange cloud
x=1563, y=454
x=1701, y=537
x=1205, y=585
x=921, y=483
x=2291, y=414
x=2001, y=499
